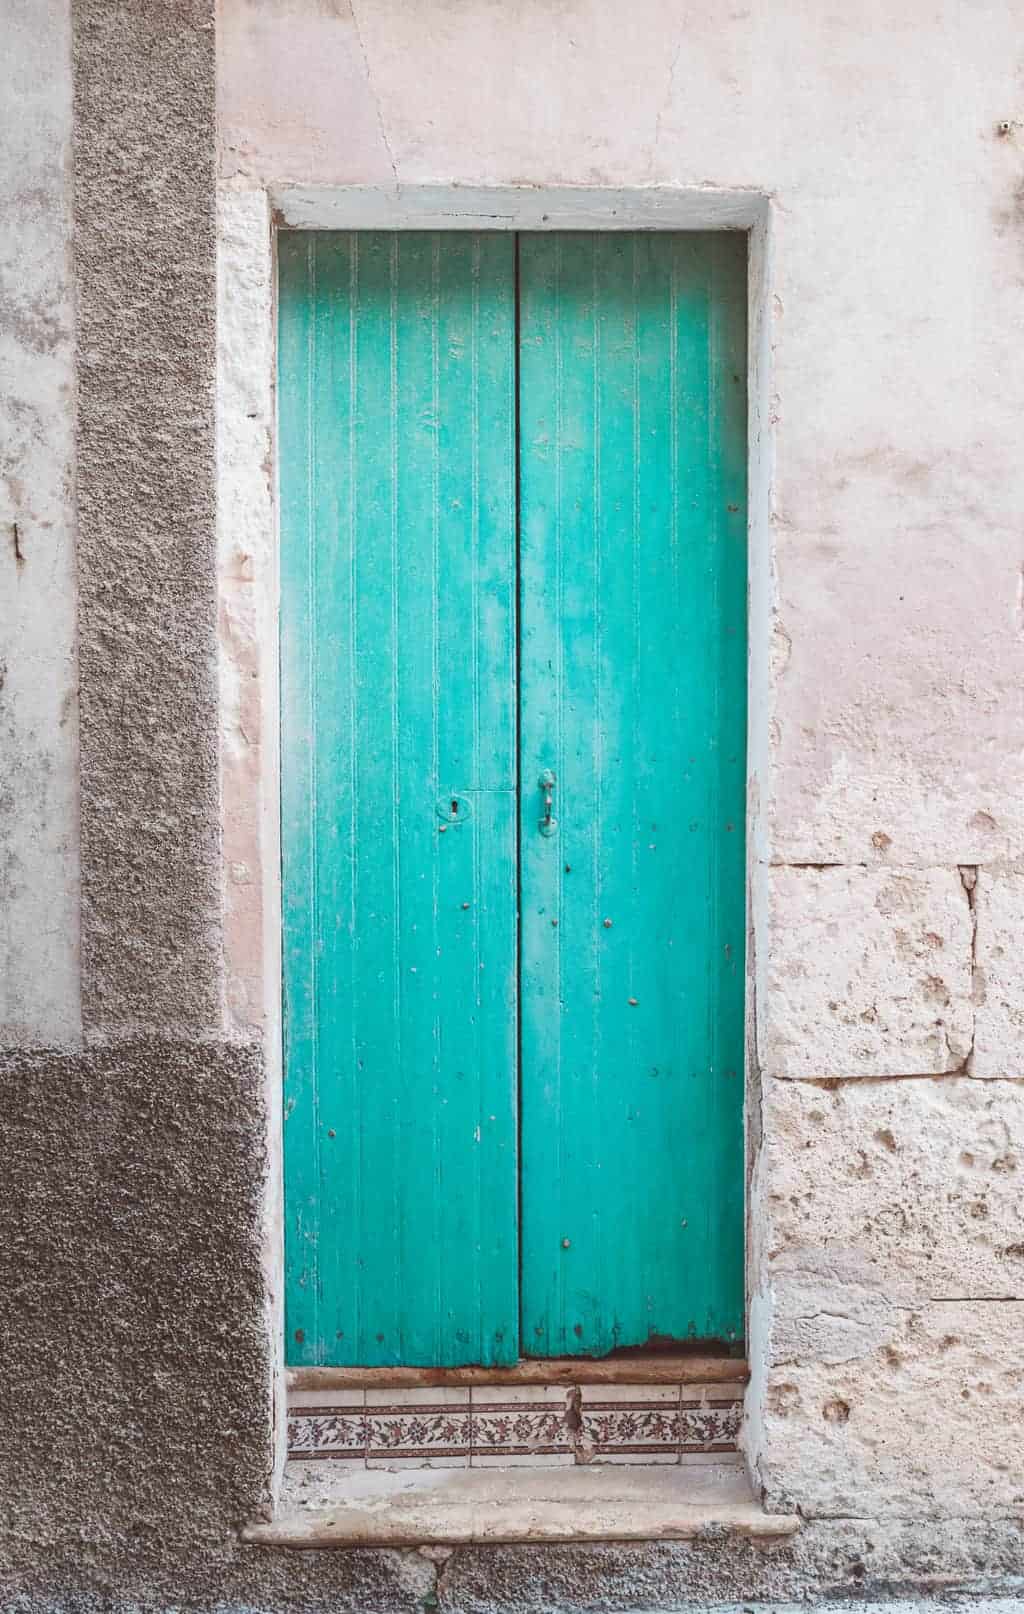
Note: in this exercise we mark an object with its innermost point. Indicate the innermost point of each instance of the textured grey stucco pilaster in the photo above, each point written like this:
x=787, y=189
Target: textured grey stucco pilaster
x=135, y=1371
x=145, y=261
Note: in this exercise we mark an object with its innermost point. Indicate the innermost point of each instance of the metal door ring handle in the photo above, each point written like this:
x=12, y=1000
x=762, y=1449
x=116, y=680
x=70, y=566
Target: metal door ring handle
x=547, y=782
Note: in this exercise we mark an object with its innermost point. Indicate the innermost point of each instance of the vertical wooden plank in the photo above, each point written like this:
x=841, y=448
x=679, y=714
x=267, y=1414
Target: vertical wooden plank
x=376, y=919
x=420, y=1208
x=332, y=759
x=406, y=1083
x=540, y=542
x=728, y=363
x=633, y=691
x=475, y=603
x=297, y=261
x=495, y=936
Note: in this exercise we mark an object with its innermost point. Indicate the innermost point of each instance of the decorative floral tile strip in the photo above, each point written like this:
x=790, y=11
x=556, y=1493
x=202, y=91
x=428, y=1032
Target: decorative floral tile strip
x=631, y=1426
x=512, y=1429
x=425, y=1432
x=312, y=1433
x=516, y=1429
x=712, y=1426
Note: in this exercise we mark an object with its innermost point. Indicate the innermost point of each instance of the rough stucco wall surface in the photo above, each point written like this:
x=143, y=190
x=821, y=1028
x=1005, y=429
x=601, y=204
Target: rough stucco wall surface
x=38, y=716
x=132, y=1318
x=144, y=239
x=136, y=1420
x=133, y=1306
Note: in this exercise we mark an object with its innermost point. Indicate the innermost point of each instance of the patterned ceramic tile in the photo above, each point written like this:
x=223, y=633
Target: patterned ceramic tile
x=408, y=1400
x=720, y=1459
x=432, y=1459
x=711, y=1426
x=633, y=1427
x=325, y=1400
x=553, y=1423
x=325, y=1432
x=517, y=1428
x=403, y=1432
x=632, y=1456
x=712, y=1392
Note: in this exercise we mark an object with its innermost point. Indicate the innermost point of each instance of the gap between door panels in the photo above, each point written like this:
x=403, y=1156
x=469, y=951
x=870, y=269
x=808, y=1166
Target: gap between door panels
x=518, y=766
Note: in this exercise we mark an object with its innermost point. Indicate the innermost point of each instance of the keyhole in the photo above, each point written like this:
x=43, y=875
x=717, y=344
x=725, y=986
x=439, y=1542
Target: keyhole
x=455, y=809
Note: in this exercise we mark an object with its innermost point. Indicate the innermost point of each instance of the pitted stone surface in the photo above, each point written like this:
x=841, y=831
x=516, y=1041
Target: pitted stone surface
x=923, y=1422
x=868, y=973
x=918, y=1184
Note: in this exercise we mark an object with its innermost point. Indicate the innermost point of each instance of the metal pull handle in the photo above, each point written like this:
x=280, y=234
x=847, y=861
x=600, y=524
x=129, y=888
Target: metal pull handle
x=548, y=824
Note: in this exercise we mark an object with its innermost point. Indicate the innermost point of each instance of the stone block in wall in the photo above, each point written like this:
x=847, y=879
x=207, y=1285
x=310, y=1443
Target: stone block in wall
x=917, y=1183
x=865, y=972
x=924, y=1424
x=999, y=998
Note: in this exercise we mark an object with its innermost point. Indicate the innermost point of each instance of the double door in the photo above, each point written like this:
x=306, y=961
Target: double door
x=513, y=668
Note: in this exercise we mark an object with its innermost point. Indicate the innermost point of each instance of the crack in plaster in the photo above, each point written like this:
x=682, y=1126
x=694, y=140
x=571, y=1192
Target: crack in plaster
x=829, y=1084
x=1010, y=1517
x=969, y=880
x=372, y=87
x=971, y=1300
x=667, y=97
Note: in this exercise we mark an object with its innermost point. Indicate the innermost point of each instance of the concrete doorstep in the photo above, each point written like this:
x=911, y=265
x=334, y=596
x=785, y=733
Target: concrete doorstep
x=330, y=1504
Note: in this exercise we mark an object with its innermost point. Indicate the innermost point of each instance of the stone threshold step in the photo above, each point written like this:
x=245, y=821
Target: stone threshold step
x=657, y=1368
x=322, y=1507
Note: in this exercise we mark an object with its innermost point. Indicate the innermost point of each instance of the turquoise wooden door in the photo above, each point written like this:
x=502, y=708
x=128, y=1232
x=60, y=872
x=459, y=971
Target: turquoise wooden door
x=632, y=693
x=398, y=767
x=512, y=852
